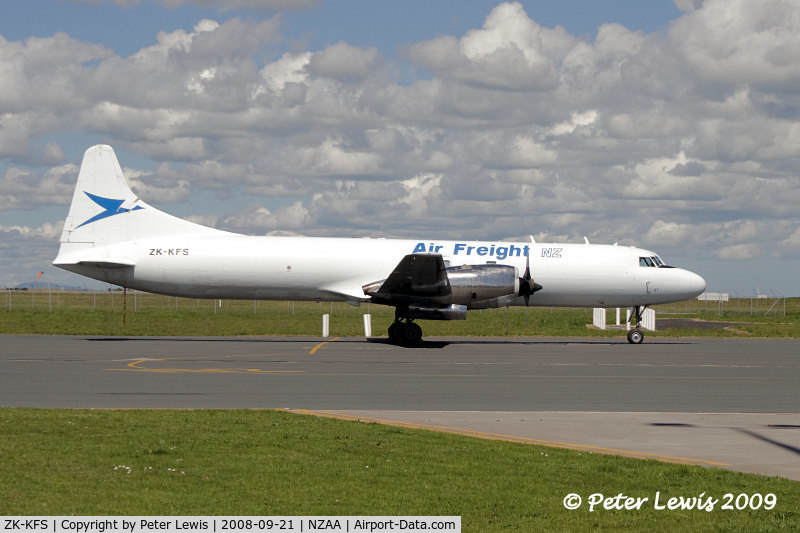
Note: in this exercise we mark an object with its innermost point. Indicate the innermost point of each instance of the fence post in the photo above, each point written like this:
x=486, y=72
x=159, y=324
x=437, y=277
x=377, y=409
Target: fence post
x=326, y=325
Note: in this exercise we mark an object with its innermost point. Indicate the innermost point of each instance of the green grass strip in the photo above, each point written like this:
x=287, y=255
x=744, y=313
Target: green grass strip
x=245, y=462
x=151, y=314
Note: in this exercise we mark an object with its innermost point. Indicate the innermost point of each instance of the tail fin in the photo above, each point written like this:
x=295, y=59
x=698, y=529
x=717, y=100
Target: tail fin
x=105, y=211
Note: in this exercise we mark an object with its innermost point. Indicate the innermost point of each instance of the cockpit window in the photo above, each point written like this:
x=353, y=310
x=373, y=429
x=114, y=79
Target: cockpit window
x=653, y=261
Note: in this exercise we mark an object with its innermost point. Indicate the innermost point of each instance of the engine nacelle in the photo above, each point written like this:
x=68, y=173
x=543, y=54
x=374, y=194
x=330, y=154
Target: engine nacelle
x=483, y=286
x=451, y=312
x=446, y=297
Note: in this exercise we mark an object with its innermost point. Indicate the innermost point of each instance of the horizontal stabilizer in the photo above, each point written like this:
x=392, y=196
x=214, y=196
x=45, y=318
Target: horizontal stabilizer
x=108, y=264
x=100, y=256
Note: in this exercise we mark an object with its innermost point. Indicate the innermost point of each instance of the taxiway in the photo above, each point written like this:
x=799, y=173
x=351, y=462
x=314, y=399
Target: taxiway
x=730, y=403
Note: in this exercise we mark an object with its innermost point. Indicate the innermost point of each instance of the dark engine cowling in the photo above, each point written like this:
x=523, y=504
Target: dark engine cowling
x=448, y=297
x=483, y=286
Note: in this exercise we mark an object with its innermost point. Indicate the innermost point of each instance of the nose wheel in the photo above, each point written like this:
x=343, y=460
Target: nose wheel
x=635, y=336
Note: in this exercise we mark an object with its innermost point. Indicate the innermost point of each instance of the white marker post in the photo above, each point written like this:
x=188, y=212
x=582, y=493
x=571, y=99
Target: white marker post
x=368, y=325
x=326, y=325
x=599, y=317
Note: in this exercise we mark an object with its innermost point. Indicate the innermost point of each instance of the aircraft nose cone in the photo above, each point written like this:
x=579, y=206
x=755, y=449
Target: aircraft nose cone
x=695, y=285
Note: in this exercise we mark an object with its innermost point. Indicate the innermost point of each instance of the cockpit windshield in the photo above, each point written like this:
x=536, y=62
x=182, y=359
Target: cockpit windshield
x=653, y=261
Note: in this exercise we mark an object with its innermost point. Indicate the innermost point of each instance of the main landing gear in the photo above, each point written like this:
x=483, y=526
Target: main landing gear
x=405, y=332
x=635, y=336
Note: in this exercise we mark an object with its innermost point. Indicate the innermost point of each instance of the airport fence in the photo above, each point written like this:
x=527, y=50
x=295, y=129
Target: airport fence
x=755, y=306
x=135, y=301
x=139, y=313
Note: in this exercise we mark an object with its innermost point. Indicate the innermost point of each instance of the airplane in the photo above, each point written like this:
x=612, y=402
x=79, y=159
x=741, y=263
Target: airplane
x=111, y=235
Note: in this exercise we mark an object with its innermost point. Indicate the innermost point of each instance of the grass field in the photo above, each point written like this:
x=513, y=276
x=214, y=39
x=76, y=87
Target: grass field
x=238, y=462
x=149, y=314
x=244, y=462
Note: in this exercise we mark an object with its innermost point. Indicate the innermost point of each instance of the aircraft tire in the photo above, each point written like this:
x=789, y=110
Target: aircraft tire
x=635, y=336
x=412, y=334
x=395, y=332
x=405, y=333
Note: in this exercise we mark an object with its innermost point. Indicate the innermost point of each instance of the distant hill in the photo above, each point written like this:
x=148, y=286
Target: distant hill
x=39, y=285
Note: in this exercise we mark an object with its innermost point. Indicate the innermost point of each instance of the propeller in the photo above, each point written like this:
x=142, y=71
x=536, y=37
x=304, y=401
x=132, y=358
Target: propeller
x=526, y=285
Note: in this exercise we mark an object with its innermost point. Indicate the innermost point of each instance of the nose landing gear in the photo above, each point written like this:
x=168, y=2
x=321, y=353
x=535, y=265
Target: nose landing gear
x=635, y=336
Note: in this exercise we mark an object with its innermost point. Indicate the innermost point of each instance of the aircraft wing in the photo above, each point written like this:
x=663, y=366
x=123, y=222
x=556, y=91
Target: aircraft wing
x=416, y=276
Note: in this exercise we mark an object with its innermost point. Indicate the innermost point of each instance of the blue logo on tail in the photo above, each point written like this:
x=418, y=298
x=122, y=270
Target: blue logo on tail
x=112, y=207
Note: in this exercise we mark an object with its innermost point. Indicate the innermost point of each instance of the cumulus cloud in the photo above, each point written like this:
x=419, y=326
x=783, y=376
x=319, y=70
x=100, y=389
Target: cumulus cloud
x=685, y=140
x=46, y=231
x=291, y=218
x=23, y=189
x=738, y=42
x=510, y=52
x=344, y=62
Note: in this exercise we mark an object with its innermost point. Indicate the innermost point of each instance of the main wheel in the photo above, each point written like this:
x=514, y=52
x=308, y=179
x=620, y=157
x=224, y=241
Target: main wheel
x=635, y=336
x=412, y=333
x=396, y=332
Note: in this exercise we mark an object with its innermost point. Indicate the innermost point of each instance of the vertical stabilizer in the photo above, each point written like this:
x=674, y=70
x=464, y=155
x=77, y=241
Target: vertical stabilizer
x=101, y=194
x=104, y=210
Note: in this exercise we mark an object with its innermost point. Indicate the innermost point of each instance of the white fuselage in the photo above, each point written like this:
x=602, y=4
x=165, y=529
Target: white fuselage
x=304, y=268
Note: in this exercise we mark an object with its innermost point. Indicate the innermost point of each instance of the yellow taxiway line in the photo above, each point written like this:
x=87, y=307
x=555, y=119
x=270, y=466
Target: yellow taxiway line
x=511, y=438
x=320, y=345
x=135, y=366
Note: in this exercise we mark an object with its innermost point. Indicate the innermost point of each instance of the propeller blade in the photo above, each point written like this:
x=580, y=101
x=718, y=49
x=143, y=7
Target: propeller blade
x=526, y=285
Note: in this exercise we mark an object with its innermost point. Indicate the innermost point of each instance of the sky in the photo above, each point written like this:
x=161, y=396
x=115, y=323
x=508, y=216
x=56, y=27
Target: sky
x=672, y=126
